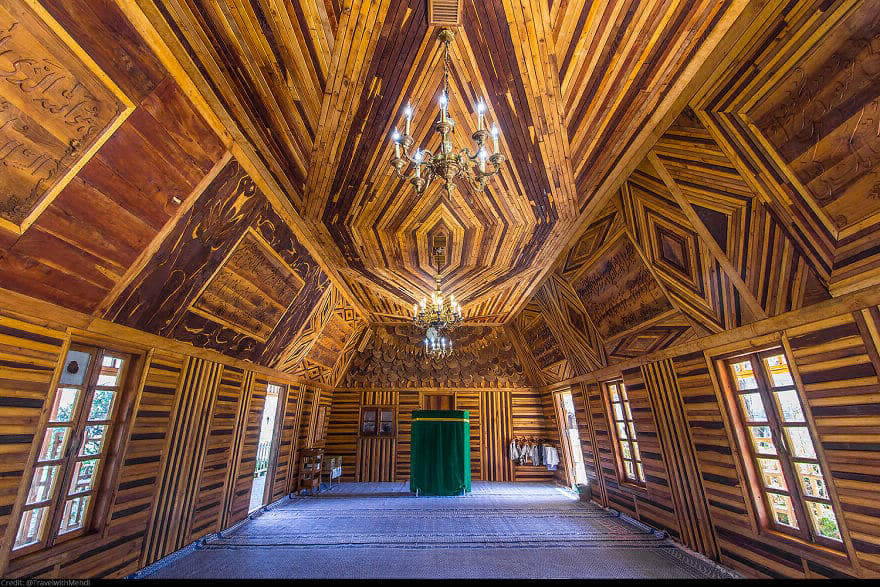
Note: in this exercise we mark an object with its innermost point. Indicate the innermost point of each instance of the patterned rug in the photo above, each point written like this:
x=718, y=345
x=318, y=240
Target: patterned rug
x=380, y=530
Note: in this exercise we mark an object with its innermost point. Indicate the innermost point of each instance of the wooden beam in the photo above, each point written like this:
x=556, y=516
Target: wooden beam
x=847, y=303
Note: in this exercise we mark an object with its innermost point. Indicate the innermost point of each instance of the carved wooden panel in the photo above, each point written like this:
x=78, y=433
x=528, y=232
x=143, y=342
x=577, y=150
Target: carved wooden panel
x=251, y=291
x=821, y=119
x=619, y=290
x=159, y=298
x=56, y=108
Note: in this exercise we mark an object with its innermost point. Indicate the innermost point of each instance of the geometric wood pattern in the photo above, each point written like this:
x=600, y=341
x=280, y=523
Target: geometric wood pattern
x=796, y=124
x=318, y=89
x=324, y=345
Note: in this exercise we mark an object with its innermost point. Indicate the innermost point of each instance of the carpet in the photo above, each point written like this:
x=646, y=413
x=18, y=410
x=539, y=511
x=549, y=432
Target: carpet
x=380, y=530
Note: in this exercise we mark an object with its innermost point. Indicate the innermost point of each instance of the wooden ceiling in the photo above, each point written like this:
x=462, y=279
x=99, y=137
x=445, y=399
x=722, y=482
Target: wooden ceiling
x=217, y=172
x=760, y=198
x=316, y=87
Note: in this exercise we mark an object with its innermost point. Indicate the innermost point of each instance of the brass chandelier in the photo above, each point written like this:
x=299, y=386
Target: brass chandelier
x=427, y=166
x=440, y=315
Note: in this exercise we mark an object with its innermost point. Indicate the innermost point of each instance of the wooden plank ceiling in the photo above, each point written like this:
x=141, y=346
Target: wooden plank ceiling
x=759, y=199
x=317, y=86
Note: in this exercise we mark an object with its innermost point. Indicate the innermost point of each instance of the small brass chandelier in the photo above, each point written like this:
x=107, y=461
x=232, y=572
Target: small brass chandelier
x=427, y=166
x=441, y=314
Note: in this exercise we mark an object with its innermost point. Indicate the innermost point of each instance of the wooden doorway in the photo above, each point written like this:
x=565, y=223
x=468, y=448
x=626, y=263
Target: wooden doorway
x=572, y=452
x=437, y=401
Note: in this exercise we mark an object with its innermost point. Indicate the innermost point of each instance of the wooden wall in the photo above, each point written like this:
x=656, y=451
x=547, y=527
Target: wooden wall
x=696, y=489
x=187, y=461
x=495, y=417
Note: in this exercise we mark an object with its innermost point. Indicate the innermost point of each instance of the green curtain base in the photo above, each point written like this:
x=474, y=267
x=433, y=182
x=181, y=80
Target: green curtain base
x=440, y=453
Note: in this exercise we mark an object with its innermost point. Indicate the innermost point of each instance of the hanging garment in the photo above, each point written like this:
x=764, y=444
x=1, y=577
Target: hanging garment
x=534, y=455
x=551, y=457
x=513, y=450
x=525, y=454
x=539, y=455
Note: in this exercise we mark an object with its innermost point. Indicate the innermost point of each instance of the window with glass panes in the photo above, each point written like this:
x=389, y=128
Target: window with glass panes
x=68, y=466
x=793, y=484
x=624, y=431
x=377, y=421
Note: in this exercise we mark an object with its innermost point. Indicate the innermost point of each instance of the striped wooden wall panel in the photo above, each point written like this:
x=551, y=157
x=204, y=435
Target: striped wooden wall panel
x=725, y=494
x=683, y=470
x=838, y=364
x=407, y=402
x=655, y=506
x=470, y=401
x=342, y=432
x=232, y=484
x=495, y=435
x=297, y=391
x=616, y=496
x=309, y=397
x=29, y=354
x=178, y=483
x=207, y=514
x=529, y=419
x=285, y=466
x=375, y=460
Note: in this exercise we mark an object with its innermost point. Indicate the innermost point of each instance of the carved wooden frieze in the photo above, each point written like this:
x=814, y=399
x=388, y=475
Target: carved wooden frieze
x=484, y=357
x=620, y=291
x=56, y=109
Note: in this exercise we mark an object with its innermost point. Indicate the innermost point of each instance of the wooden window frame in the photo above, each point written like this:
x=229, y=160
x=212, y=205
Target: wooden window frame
x=749, y=455
x=103, y=480
x=378, y=409
x=639, y=482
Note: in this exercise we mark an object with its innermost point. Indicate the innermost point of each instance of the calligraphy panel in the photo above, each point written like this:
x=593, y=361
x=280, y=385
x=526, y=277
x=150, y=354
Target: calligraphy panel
x=56, y=109
x=251, y=291
x=620, y=291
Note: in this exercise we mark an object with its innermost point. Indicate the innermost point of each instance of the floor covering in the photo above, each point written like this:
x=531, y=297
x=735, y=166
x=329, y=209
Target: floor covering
x=380, y=530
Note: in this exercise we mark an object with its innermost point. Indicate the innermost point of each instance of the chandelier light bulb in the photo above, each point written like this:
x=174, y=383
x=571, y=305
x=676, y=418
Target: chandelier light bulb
x=495, y=139
x=395, y=136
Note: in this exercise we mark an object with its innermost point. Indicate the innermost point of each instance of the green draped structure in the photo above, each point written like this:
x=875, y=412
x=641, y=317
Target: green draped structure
x=440, y=459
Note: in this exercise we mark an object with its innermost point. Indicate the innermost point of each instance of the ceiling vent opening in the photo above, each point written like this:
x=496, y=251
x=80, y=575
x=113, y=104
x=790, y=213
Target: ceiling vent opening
x=444, y=12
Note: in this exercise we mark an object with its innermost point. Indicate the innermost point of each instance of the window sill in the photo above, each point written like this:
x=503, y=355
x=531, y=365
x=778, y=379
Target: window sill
x=633, y=487
x=806, y=547
x=57, y=551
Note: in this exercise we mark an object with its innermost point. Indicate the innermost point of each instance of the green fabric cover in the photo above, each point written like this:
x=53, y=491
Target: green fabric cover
x=440, y=457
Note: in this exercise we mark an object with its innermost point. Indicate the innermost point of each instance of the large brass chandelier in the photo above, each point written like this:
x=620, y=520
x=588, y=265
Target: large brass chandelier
x=427, y=166
x=442, y=314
